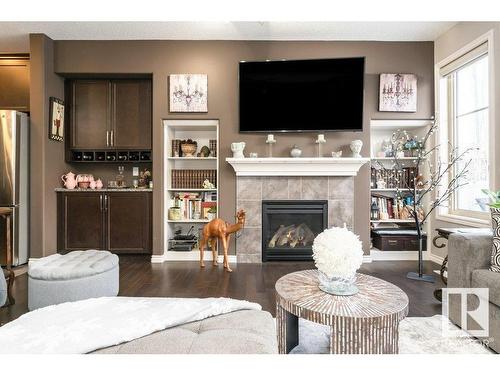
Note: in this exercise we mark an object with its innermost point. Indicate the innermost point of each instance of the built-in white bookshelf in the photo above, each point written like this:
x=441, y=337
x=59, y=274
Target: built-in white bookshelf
x=201, y=131
x=380, y=131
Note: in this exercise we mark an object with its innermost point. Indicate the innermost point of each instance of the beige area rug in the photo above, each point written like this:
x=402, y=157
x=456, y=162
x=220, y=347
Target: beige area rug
x=416, y=336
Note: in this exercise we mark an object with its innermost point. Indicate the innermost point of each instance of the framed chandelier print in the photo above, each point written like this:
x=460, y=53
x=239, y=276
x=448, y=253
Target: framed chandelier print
x=398, y=92
x=188, y=93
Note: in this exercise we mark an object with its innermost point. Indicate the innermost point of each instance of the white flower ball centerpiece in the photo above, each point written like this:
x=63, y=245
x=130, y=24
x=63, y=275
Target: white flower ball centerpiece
x=338, y=254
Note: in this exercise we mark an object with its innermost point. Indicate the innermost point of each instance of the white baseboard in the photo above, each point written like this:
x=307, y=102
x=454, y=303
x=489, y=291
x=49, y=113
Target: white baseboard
x=180, y=256
x=434, y=258
x=367, y=259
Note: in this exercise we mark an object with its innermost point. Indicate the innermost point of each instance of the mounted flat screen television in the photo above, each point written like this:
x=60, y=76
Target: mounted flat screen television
x=302, y=95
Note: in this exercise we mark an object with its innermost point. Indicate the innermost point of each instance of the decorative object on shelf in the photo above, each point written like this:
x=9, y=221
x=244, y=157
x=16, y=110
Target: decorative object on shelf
x=374, y=211
x=208, y=185
x=56, y=119
x=356, y=146
x=99, y=184
x=387, y=150
x=295, y=152
x=218, y=229
x=84, y=180
x=237, y=149
x=337, y=154
x=93, y=184
x=398, y=92
x=254, y=155
x=144, y=178
x=174, y=213
x=495, y=224
x=188, y=93
x=204, y=152
x=188, y=148
x=212, y=213
x=176, y=148
x=438, y=184
x=120, y=178
x=381, y=184
x=212, y=145
x=320, y=141
x=69, y=180
x=270, y=142
x=337, y=254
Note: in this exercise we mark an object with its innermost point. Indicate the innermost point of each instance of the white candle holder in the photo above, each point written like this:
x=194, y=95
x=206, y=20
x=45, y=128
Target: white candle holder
x=320, y=141
x=270, y=142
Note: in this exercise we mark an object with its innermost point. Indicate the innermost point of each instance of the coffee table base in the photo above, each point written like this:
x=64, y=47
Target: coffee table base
x=347, y=335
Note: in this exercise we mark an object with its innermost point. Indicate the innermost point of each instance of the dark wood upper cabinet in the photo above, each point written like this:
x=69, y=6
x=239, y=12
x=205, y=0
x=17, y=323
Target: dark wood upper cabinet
x=80, y=223
x=131, y=124
x=90, y=115
x=110, y=114
x=15, y=83
x=128, y=222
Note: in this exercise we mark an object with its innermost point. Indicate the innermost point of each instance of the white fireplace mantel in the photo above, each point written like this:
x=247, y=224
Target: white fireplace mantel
x=325, y=166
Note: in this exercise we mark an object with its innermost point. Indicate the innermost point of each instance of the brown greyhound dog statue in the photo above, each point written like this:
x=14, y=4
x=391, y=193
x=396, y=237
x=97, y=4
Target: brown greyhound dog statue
x=218, y=229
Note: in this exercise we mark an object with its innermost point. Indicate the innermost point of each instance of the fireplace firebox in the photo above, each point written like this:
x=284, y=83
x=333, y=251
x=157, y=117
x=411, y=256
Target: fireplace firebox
x=289, y=228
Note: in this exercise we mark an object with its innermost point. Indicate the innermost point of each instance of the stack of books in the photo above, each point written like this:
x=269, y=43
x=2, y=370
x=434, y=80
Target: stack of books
x=192, y=178
x=194, y=206
x=212, y=145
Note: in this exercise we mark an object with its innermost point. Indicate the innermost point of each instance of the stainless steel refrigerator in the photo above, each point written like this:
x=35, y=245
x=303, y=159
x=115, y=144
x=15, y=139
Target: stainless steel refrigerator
x=14, y=183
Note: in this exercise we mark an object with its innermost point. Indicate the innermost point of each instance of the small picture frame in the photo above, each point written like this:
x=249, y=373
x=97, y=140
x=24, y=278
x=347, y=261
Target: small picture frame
x=56, y=119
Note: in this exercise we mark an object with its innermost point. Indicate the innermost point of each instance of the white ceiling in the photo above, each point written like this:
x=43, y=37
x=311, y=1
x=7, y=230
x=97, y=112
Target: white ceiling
x=14, y=35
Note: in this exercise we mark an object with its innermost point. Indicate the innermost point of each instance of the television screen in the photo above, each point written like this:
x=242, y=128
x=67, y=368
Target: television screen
x=302, y=95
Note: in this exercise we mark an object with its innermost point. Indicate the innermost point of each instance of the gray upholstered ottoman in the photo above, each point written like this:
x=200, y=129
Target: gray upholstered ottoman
x=72, y=277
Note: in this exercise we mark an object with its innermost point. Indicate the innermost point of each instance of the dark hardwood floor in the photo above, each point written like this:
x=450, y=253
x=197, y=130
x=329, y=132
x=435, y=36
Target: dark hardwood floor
x=253, y=282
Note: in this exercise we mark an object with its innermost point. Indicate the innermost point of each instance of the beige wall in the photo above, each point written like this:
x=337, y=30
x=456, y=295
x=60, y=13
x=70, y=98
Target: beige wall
x=46, y=156
x=447, y=44
x=219, y=59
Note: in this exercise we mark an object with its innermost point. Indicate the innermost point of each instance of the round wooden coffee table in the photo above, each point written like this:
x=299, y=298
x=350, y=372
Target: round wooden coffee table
x=365, y=323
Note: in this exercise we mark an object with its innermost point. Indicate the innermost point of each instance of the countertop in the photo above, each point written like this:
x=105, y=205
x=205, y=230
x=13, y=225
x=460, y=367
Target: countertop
x=125, y=190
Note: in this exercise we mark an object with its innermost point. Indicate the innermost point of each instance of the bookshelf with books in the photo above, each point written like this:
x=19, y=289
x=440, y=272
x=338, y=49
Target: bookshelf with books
x=391, y=188
x=191, y=176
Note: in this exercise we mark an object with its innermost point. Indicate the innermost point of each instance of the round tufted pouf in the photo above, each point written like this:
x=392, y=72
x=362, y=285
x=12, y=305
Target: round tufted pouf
x=72, y=277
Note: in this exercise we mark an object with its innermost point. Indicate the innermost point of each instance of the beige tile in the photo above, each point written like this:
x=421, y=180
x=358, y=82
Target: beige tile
x=249, y=188
x=314, y=188
x=249, y=243
x=340, y=211
x=294, y=188
x=248, y=258
x=253, y=211
x=341, y=187
x=274, y=188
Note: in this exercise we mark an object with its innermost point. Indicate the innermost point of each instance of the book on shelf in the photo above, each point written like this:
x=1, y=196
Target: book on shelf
x=388, y=207
x=192, y=178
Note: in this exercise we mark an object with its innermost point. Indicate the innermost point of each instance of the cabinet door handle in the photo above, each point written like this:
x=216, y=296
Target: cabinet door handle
x=112, y=137
x=105, y=203
x=107, y=138
x=100, y=202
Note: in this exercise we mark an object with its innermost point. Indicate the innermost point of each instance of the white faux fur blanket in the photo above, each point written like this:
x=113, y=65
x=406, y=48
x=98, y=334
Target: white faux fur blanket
x=88, y=325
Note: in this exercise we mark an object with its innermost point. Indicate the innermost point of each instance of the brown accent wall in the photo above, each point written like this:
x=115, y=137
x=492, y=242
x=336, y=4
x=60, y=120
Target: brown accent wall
x=46, y=156
x=219, y=59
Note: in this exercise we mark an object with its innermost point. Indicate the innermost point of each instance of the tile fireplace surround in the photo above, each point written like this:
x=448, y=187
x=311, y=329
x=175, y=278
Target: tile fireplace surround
x=288, y=184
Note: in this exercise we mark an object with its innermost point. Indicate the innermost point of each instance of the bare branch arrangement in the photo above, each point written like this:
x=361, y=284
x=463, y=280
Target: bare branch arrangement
x=439, y=182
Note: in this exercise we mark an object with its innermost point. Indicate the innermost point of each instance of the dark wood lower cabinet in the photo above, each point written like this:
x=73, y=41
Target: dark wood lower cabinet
x=118, y=222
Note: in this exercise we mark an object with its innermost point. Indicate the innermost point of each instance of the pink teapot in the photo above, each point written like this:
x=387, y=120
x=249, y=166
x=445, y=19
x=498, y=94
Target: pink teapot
x=69, y=180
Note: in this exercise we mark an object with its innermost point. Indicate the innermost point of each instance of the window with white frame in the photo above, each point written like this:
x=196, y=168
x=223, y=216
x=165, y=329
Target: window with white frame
x=464, y=121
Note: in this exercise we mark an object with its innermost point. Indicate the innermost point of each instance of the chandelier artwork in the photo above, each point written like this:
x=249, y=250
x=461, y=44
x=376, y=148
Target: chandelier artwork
x=398, y=92
x=188, y=93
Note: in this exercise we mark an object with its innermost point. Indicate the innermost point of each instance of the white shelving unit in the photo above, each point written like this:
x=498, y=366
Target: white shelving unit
x=381, y=130
x=201, y=131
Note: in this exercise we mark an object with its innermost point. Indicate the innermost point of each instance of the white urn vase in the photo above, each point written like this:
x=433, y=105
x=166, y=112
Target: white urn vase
x=237, y=149
x=356, y=146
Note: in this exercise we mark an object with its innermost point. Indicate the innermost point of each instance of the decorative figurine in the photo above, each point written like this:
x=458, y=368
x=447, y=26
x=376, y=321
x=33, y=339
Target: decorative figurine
x=337, y=154
x=208, y=185
x=295, y=152
x=270, y=142
x=218, y=229
x=204, y=152
x=356, y=146
x=237, y=149
x=320, y=141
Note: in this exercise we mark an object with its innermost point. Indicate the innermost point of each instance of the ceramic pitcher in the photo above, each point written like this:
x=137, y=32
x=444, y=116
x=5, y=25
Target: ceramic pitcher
x=69, y=180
